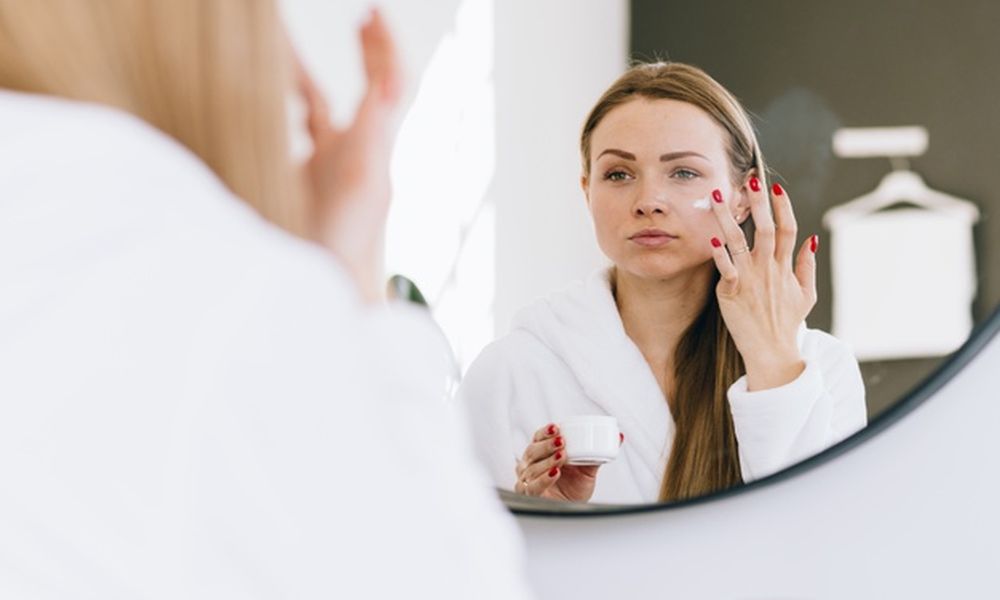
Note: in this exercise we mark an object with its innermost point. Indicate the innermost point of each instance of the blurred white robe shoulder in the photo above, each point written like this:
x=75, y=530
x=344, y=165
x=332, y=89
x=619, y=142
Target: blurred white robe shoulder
x=194, y=404
x=568, y=354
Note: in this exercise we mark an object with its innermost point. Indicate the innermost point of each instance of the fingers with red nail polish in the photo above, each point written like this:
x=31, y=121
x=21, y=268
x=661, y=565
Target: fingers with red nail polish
x=541, y=457
x=544, y=469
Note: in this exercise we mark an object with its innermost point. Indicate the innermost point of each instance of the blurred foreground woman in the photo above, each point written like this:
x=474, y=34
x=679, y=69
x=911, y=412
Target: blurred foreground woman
x=200, y=396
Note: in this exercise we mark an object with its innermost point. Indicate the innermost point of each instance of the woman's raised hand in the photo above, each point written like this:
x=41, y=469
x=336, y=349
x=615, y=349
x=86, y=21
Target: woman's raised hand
x=763, y=298
x=347, y=176
x=542, y=470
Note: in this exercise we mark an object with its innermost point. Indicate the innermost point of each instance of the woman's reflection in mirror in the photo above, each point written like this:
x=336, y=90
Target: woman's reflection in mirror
x=694, y=337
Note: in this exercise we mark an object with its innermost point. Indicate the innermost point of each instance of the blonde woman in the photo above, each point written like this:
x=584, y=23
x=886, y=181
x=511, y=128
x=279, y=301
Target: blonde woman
x=694, y=339
x=200, y=396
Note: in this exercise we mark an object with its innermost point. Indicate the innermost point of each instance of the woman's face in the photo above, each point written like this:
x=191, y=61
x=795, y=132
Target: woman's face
x=653, y=167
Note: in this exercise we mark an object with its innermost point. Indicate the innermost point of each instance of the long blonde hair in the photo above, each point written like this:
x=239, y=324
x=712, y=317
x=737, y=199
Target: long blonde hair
x=704, y=456
x=213, y=74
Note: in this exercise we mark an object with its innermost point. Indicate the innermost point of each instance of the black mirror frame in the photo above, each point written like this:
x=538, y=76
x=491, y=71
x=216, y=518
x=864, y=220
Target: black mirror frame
x=980, y=337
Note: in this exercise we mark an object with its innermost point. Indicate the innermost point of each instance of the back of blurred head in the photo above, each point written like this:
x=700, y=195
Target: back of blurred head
x=211, y=74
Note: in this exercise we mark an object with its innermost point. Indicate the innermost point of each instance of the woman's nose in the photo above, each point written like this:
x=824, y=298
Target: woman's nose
x=651, y=201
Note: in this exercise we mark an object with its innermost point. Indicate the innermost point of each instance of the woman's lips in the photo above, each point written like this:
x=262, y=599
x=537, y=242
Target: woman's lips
x=652, y=238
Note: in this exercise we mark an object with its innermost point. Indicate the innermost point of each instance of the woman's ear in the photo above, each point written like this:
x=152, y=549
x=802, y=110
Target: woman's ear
x=584, y=181
x=741, y=209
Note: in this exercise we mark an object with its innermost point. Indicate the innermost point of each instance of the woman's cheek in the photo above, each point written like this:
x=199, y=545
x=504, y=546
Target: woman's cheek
x=606, y=239
x=606, y=226
x=696, y=219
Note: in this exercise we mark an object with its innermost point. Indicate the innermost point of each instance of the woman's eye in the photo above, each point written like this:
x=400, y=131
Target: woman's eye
x=616, y=176
x=684, y=174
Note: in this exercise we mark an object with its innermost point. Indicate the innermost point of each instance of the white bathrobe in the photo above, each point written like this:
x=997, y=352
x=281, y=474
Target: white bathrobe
x=194, y=404
x=569, y=355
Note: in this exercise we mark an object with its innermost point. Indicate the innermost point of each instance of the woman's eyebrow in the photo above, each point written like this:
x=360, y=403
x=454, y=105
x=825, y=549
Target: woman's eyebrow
x=682, y=154
x=663, y=157
x=616, y=152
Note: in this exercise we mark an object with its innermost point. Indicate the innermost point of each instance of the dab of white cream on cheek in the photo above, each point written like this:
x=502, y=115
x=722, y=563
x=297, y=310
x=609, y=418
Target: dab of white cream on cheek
x=701, y=204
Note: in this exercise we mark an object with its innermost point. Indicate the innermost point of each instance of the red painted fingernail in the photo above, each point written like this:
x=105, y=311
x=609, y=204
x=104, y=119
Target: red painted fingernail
x=558, y=455
x=621, y=438
x=717, y=196
x=777, y=189
x=551, y=429
x=553, y=471
x=814, y=243
x=558, y=442
x=716, y=243
x=755, y=184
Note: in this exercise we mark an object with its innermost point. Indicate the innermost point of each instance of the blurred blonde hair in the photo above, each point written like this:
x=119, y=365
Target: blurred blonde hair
x=212, y=74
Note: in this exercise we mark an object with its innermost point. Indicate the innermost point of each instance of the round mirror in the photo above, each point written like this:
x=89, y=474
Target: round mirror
x=878, y=146
x=875, y=120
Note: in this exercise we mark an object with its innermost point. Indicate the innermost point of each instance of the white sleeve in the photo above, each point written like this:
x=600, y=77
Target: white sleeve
x=779, y=427
x=330, y=467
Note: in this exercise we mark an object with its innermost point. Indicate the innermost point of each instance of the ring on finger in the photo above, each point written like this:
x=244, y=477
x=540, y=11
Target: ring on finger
x=739, y=250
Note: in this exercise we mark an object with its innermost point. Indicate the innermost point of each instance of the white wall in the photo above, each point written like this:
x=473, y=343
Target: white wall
x=911, y=513
x=554, y=59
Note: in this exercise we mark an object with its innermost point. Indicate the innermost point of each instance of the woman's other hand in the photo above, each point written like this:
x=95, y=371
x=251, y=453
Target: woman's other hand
x=542, y=470
x=347, y=176
x=763, y=297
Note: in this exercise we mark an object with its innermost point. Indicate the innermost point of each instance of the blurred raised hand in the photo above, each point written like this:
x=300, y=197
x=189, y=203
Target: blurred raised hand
x=347, y=175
